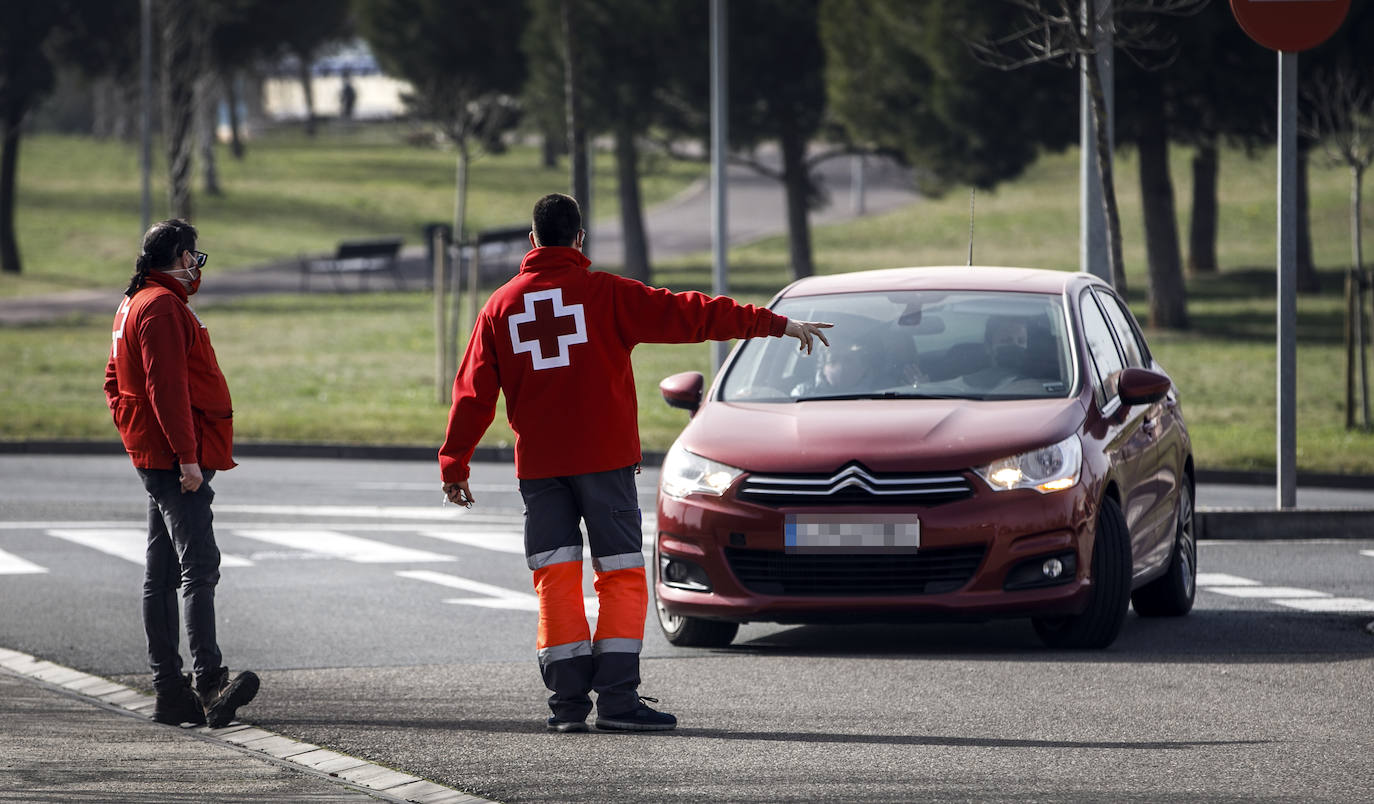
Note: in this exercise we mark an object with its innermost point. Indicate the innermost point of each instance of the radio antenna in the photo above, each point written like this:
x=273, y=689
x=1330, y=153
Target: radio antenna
x=970, y=226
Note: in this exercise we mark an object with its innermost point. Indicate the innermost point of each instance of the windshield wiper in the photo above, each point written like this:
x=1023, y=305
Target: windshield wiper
x=885, y=395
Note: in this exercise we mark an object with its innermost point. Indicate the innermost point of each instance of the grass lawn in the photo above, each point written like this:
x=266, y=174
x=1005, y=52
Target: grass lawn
x=359, y=368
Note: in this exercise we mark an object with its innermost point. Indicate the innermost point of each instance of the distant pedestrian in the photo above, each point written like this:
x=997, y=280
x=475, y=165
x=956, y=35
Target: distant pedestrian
x=556, y=340
x=348, y=97
x=171, y=405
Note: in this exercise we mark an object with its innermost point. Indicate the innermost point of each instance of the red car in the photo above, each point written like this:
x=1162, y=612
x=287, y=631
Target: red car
x=975, y=443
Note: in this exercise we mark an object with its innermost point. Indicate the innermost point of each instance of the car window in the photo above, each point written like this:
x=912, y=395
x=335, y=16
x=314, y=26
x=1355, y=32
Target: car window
x=912, y=344
x=1106, y=359
x=1127, y=335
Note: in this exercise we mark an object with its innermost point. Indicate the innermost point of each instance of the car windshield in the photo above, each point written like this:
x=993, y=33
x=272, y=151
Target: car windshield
x=912, y=345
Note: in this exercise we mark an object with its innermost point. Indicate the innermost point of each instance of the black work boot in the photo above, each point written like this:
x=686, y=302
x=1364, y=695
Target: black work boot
x=641, y=718
x=221, y=697
x=178, y=704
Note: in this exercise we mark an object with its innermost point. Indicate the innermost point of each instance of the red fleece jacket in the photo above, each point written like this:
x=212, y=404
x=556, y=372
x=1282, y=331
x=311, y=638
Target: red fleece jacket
x=163, y=384
x=556, y=341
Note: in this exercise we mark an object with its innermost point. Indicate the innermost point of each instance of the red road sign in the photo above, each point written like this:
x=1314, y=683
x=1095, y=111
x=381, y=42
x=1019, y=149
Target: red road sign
x=1290, y=25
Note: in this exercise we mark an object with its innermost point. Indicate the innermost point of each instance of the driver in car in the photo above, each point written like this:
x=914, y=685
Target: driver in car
x=1004, y=338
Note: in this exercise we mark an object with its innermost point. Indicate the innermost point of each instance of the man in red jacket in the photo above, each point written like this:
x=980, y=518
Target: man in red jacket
x=556, y=341
x=172, y=408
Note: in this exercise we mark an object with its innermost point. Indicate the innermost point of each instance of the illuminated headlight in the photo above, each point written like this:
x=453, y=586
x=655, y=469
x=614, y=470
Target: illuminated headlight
x=1052, y=468
x=684, y=473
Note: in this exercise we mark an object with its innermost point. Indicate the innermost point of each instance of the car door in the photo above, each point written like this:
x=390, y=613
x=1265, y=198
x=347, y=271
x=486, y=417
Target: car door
x=1129, y=441
x=1165, y=424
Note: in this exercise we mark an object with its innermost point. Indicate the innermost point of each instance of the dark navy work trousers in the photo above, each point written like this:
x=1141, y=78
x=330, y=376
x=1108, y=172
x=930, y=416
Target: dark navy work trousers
x=181, y=553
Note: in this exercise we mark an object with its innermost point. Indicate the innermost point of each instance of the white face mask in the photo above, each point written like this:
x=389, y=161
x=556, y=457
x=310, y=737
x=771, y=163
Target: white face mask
x=191, y=281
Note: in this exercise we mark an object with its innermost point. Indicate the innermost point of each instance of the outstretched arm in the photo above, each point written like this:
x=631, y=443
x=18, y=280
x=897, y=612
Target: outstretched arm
x=803, y=332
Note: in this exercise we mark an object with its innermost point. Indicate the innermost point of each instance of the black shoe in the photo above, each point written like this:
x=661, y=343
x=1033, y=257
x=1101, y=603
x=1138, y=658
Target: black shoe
x=177, y=705
x=222, y=697
x=641, y=718
x=554, y=724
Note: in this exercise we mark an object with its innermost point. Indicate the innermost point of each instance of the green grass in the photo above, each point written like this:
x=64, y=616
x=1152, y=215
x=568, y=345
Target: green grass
x=359, y=368
x=78, y=200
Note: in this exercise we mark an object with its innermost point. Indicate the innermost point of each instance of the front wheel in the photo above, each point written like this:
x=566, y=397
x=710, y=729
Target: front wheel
x=694, y=632
x=1172, y=594
x=1110, y=593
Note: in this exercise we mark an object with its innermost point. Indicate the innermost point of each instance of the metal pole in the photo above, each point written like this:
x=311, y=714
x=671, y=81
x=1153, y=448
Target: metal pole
x=1092, y=216
x=1287, y=322
x=145, y=125
x=442, y=381
x=856, y=184
x=719, y=137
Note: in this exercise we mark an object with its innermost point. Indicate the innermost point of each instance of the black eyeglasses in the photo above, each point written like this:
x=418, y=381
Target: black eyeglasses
x=201, y=257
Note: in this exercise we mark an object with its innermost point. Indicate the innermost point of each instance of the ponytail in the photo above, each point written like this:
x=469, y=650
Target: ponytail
x=142, y=266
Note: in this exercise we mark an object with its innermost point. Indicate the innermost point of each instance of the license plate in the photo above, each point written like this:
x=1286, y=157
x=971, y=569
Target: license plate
x=851, y=533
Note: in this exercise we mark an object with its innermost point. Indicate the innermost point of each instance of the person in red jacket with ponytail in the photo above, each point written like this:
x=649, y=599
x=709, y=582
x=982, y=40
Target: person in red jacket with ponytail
x=556, y=340
x=171, y=405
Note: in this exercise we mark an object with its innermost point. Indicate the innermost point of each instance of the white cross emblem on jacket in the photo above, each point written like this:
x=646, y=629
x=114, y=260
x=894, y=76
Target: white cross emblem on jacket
x=550, y=335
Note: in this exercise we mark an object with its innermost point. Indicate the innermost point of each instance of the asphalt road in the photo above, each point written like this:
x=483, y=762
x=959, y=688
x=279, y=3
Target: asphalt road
x=393, y=628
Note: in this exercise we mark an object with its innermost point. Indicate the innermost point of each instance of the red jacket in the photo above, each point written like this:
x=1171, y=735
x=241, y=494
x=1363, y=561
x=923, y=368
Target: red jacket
x=163, y=384
x=556, y=341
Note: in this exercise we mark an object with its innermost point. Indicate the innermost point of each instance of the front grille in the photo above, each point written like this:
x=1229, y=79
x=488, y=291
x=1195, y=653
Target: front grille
x=927, y=572
x=854, y=485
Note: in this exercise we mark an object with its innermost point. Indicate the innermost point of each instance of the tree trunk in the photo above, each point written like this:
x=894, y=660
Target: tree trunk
x=178, y=102
x=797, y=181
x=1104, y=169
x=206, y=108
x=1307, y=279
x=636, y=244
x=231, y=96
x=1167, y=293
x=306, y=85
x=9, y=170
x=1361, y=330
x=460, y=238
x=577, y=132
x=1202, y=226
x=548, y=151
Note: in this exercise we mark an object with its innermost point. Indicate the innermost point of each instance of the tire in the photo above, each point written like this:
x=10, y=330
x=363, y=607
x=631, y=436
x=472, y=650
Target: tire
x=1172, y=594
x=1109, y=595
x=694, y=632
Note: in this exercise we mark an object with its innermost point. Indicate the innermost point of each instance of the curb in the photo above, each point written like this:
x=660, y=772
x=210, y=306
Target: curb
x=342, y=769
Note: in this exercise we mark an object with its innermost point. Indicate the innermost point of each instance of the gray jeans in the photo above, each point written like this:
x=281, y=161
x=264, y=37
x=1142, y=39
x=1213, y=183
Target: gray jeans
x=181, y=553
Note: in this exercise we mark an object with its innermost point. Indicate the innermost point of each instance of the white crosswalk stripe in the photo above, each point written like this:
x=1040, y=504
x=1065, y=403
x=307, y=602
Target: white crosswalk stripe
x=495, y=540
x=129, y=544
x=493, y=597
x=340, y=545
x=11, y=564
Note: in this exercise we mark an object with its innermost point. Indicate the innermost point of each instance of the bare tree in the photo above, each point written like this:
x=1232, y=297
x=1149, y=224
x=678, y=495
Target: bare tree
x=1065, y=32
x=1340, y=116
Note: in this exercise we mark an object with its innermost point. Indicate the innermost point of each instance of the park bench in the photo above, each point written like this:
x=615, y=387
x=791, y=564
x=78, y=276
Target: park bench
x=361, y=257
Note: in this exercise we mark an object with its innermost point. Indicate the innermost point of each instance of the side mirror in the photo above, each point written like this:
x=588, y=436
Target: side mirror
x=683, y=390
x=1138, y=386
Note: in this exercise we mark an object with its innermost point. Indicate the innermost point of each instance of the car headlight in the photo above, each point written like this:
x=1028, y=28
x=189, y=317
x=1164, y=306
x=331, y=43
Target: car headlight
x=685, y=473
x=1052, y=468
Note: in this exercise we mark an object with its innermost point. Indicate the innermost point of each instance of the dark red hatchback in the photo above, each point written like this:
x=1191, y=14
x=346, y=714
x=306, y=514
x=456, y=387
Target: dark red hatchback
x=975, y=443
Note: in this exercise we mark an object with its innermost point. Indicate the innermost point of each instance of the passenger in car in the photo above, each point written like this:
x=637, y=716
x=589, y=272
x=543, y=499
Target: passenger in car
x=1004, y=343
x=843, y=370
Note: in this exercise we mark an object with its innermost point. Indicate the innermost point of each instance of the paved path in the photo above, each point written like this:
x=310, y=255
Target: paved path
x=679, y=226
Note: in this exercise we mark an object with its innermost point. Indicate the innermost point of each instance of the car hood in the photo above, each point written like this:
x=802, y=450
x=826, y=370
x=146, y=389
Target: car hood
x=885, y=435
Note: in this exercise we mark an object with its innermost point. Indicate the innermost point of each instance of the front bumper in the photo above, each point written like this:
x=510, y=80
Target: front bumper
x=973, y=545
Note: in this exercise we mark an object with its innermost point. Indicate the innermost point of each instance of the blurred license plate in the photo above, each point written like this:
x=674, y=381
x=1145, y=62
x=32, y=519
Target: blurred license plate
x=851, y=533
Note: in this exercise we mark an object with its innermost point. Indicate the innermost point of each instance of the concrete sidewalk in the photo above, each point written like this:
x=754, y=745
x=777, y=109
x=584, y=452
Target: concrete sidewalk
x=69, y=736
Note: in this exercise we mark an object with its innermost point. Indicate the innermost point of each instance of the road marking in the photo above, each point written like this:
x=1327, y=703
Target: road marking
x=1330, y=604
x=311, y=759
x=498, y=541
x=341, y=545
x=11, y=564
x=1222, y=579
x=129, y=544
x=1369, y=553
x=437, y=511
x=1271, y=592
x=496, y=597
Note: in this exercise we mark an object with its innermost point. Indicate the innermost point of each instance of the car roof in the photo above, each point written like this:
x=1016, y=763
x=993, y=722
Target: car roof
x=941, y=277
